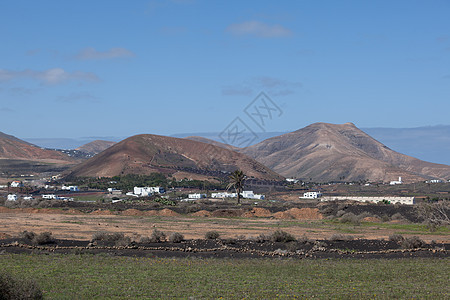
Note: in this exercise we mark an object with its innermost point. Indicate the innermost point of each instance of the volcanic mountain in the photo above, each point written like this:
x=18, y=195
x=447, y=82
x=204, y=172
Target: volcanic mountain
x=212, y=142
x=95, y=147
x=182, y=158
x=327, y=152
x=14, y=148
x=20, y=157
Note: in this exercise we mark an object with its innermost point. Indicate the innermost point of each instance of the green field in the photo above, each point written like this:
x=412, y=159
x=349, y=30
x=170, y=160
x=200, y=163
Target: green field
x=101, y=276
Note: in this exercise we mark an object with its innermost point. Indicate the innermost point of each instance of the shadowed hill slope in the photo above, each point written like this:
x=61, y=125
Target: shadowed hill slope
x=146, y=153
x=95, y=147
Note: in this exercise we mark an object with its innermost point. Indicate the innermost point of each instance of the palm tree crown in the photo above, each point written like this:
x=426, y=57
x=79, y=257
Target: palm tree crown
x=237, y=181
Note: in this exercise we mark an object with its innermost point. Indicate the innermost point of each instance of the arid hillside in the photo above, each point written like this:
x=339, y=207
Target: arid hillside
x=144, y=154
x=326, y=152
x=16, y=149
x=95, y=147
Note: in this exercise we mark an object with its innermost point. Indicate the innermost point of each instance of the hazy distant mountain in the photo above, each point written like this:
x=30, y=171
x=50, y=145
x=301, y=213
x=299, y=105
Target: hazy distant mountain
x=69, y=143
x=325, y=152
x=95, y=147
x=181, y=158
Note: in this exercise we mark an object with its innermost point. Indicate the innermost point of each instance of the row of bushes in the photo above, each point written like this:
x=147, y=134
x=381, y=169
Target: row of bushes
x=157, y=236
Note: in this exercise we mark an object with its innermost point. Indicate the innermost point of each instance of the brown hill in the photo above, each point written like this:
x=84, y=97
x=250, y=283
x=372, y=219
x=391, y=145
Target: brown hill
x=212, y=142
x=144, y=154
x=15, y=149
x=326, y=152
x=95, y=147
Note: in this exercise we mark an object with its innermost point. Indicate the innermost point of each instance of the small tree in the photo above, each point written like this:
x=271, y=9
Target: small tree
x=237, y=181
x=435, y=214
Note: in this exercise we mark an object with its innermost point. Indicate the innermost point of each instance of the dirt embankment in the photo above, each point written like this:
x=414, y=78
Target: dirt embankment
x=257, y=212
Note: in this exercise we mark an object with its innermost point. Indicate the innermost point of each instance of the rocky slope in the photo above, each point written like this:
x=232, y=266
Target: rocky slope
x=327, y=152
x=144, y=154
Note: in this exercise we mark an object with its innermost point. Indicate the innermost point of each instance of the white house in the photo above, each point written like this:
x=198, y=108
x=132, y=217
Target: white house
x=12, y=197
x=393, y=200
x=196, y=196
x=293, y=180
x=245, y=194
x=72, y=188
x=49, y=196
x=434, y=181
x=148, y=191
x=394, y=182
x=223, y=195
x=311, y=195
x=16, y=183
x=251, y=195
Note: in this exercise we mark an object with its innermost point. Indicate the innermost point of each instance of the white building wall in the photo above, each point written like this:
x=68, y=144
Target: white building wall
x=393, y=200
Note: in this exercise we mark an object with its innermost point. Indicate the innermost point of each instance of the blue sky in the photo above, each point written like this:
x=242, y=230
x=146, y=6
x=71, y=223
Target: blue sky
x=119, y=68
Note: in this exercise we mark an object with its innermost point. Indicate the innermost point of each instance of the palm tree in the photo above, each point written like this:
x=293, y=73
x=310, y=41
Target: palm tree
x=237, y=181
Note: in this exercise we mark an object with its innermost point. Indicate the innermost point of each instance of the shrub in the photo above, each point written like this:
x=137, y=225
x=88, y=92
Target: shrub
x=341, y=237
x=145, y=240
x=385, y=218
x=398, y=217
x=340, y=213
x=44, y=238
x=27, y=235
x=158, y=236
x=281, y=236
x=396, y=238
x=350, y=218
x=117, y=237
x=262, y=238
x=412, y=242
x=365, y=215
x=13, y=288
x=212, y=235
x=176, y=237
x=305, y=240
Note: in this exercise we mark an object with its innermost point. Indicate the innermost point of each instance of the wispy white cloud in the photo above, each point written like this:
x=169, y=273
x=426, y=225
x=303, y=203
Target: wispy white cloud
x=259, y=29
x=50, y=76
x=78, y=97
x=92, y=54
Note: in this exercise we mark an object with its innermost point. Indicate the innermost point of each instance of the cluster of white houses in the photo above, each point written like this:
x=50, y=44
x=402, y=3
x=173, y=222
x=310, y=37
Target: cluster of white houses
x=244, y=194
x=145, y=191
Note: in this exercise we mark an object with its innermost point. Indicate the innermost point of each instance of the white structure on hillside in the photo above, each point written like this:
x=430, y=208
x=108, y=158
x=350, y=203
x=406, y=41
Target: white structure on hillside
x=49, y=196
x=196, y=196
x=251, y=195
x=434, y=181
x=311, y=195
x=16, y=183
x=394, y=182
x=392, y=200
x=223, y=195
x=293, y=180
x=11, y=197
x=72, y=188
x=244, y=194
x=148, y=191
